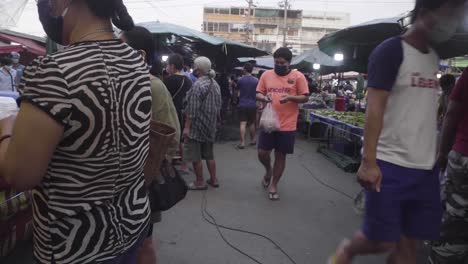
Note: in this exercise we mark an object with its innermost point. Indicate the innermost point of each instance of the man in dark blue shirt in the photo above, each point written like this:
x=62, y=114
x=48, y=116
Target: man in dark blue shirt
x=247, y=87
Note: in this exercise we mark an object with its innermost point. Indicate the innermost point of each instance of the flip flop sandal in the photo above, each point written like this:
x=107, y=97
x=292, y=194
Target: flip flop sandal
x=253, y=144
x=209, y=182
x=193, y=187
x=240, y=147
x=273, y=196
x=265, y=184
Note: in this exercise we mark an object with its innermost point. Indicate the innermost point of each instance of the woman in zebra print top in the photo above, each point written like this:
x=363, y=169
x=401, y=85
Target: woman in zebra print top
x=80, y=139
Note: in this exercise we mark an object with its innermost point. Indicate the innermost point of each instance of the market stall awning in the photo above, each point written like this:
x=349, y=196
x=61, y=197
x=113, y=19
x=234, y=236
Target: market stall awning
x=32, y=44
x=7, y=48
x=179, y=39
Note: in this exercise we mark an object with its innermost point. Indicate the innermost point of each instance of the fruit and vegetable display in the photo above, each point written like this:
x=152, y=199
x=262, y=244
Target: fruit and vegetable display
x=352, y=118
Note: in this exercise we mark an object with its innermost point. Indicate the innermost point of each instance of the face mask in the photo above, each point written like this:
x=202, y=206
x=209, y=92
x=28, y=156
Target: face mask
x=15, y=61
x=444, y=29
x=53, y=26
x=281, y=70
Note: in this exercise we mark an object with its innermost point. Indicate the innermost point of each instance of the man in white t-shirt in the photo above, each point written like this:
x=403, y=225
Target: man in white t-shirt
x=398, y=169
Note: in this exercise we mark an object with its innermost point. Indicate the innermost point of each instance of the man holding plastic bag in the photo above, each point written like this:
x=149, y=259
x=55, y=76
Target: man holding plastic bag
x=283, y=90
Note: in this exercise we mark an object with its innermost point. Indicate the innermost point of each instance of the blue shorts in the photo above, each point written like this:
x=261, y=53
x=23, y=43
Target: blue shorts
x=408, y=204
x=280, y=141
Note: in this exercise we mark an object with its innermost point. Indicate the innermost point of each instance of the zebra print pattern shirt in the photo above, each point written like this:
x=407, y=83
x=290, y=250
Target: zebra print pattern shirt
x=92, y=204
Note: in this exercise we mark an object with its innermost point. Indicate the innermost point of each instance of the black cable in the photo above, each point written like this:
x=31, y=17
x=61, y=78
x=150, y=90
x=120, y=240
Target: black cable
x=320, y=181
x=205, y=212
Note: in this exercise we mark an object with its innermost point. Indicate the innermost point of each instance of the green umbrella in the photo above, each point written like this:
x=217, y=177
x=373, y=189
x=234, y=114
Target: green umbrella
x=222, y=51
x=357, y=42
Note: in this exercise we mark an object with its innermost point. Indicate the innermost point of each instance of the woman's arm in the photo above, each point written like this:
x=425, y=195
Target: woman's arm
x=25, y=157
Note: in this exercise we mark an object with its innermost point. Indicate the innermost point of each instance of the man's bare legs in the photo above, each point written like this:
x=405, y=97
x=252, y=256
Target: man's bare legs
x=253, y=133
x=265, y=159
x=211, y=164
x=403, y=252
x=243, y=126
x=198, y=169
x=278, y=169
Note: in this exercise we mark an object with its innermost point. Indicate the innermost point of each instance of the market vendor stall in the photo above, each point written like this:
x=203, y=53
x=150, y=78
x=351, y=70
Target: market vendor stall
x=342, y=139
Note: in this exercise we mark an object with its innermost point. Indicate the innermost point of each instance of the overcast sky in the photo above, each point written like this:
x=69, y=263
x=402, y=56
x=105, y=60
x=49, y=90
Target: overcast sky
x=189, y=12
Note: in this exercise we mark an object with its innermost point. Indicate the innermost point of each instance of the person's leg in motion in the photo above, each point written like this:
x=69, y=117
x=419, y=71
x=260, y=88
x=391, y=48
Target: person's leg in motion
x=278, y=170
x=405, y=252
x=198, y=169
x=211, y=164
x=208, y=155
x=382, y=227
x=265, y=158
x=253, y=134
x=359, y=245
x=243, y=128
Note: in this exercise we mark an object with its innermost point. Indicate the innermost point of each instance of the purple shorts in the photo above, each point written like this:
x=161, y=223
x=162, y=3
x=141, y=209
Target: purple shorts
x=408, y=204
x=280, y=141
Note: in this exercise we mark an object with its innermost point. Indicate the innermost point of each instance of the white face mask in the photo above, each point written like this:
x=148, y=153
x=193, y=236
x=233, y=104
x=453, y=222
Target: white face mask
x=444, y=29
x=15, y=61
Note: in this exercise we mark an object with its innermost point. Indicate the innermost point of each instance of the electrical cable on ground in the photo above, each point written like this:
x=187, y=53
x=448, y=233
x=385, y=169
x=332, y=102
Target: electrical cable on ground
x=206, y=214
x=320, y=181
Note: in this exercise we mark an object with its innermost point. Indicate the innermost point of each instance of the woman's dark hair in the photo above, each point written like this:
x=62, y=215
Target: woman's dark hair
x=248, y=67
x=430, y=5
x=177, y=60
x=157, y=68
x=139, y=38
x=284, y=53
x=447, y=80
x=260, y=73
x=114, y=9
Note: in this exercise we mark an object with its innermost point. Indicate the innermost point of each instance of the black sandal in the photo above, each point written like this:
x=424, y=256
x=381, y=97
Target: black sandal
x=240, y=147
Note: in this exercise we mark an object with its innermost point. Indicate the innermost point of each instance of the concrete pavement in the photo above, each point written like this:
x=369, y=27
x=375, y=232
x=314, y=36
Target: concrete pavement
x=308, y=222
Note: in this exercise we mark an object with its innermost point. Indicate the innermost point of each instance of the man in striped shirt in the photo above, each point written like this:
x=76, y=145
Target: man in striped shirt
x=201, y=113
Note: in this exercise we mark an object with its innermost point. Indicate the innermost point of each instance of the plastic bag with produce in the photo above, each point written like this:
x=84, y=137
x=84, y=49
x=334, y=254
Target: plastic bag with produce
x=269, y=121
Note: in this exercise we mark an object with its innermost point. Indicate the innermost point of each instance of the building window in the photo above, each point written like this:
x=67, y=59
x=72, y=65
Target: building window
x=235, y=11
x=262, y=31
x=209, y=10
x=223, y=27
x=210, y=27
x=237, y=27
x=224, y=11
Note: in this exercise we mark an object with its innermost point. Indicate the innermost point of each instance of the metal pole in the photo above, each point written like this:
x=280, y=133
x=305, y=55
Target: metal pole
x=248, y=27
x=285, y=25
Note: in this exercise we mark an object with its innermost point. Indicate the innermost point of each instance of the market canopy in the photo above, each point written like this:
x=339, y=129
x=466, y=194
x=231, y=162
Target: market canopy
x=32, y=44
x=174, y=38
x=357, y=42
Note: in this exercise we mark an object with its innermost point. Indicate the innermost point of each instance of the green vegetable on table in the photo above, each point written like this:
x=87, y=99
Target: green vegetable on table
x=353, y=118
